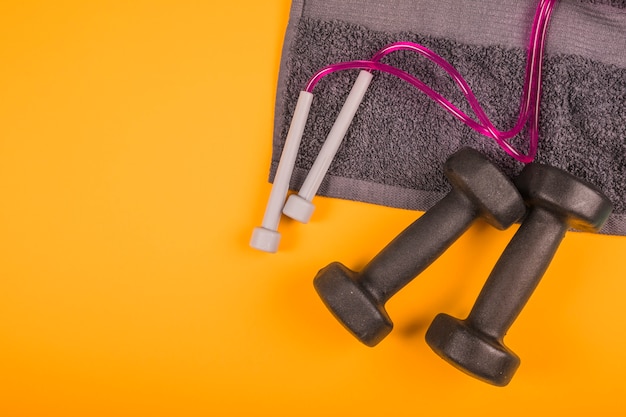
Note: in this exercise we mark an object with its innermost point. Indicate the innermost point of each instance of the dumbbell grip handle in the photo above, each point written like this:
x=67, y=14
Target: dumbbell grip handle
x=517, y=272
x=415, y=248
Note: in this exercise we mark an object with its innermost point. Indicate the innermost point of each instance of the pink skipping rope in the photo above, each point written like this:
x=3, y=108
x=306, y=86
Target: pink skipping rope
x=529, y=104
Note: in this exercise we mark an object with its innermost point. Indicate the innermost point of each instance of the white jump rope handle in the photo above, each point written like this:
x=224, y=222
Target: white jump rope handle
x=299, y=207
x=266, y=237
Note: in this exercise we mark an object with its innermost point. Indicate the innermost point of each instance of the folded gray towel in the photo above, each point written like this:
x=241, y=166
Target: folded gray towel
x=394, y=150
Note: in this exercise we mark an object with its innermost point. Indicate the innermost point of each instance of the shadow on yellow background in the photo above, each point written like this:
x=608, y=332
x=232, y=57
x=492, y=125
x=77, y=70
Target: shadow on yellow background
x=135, y=140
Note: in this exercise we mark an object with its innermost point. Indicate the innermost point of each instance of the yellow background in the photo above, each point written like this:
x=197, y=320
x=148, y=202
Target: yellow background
x=135, y=139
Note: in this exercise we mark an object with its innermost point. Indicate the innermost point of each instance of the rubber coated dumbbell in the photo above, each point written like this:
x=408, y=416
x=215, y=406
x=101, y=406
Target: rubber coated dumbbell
x=557, y=201
x=358, y=300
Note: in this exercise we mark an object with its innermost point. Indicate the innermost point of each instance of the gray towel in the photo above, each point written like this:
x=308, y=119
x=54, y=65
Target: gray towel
x=394, y=150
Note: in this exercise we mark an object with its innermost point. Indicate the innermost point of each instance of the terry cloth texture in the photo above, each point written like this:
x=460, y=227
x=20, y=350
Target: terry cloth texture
x=395, y=148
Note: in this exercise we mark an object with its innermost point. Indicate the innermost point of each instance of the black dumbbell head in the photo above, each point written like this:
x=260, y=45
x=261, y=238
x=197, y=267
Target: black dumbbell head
x=580, y=204
x=352, y=304
x=471, y=351
x=489, y=189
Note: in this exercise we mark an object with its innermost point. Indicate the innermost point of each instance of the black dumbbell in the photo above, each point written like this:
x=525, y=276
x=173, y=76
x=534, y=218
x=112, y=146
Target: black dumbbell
x=358, y=300
x=557, y=201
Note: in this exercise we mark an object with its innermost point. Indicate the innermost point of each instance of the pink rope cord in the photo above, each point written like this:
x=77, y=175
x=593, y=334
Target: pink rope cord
x=529, y=103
